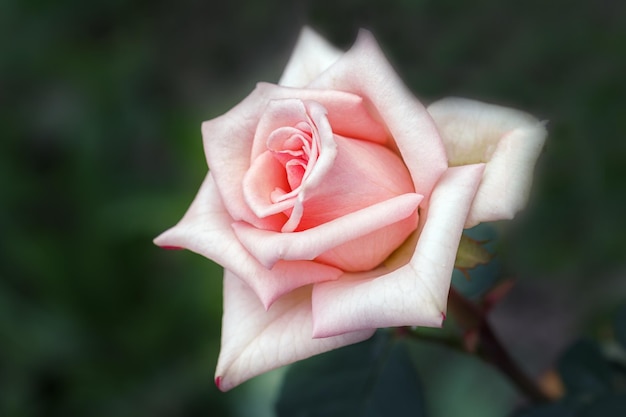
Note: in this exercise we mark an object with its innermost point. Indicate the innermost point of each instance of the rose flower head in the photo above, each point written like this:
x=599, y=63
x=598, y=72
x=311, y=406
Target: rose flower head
x=335, y=202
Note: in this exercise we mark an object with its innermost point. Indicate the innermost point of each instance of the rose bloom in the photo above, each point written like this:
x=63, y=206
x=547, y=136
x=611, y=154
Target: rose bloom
x=335, y=203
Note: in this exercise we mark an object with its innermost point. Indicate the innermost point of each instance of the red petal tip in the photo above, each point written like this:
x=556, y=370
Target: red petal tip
x=218, y=380
x=443, y=316
x=171, y=247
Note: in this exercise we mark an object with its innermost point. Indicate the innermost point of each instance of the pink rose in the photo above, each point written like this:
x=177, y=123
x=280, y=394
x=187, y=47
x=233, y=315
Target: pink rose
x=333, y=209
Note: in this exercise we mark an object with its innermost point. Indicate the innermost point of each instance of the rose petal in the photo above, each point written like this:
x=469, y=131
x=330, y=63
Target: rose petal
x=325, y=161
x=277, y=113
x=270, y=247
x=206, y=230
x=256, y=341
x=508, y=140
x=267, y=177
x=228, y=146
x=370, y=250
x=416, y=293
x=311, y=56
x=362, y=174
x=347, y=114
x=364, y=71
x=261, y=180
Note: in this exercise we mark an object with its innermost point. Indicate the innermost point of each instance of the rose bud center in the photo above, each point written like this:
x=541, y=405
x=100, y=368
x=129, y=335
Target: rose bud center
x=312, y=176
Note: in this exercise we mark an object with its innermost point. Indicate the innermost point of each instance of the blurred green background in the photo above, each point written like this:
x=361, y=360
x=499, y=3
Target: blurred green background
x=100, y=111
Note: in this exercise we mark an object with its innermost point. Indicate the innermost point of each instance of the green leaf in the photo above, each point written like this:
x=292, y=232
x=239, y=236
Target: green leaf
x=471, y=253
x=559, y=409
x=607, y=405
x=477, y=267
x=460, y=385
x=584, y=370
x=369, y=379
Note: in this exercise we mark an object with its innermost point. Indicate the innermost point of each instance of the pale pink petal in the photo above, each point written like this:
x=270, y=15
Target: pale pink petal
x=313, y=178
x=229, y=140
x=270, y=247
x=206, y=229
x=362, y=173
x=364, y=71
x=311, y=56
x=349, y=115
x=369, y=251
x=290, y=130
x=508, y=141
x=228, y=146
x=256, y=341
x=414, y=294
x=277, y=113
x=261, y=180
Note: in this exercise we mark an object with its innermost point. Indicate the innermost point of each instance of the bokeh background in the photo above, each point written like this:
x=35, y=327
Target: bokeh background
x=100, y=150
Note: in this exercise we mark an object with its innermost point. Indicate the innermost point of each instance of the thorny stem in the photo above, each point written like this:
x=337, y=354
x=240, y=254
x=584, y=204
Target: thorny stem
x=481, y=339
x=473, y=320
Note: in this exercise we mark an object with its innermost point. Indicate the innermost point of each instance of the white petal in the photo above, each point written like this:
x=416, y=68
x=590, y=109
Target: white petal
x=507, y=140
x=311, y=56
x=256, y=341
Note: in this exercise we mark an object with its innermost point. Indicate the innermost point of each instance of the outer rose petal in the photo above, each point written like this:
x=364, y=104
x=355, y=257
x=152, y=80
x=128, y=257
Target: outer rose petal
x=508, y=140
x=365, y=71
x=206, y=229
x=256, y=341
x=311, y=56
x=416, y=293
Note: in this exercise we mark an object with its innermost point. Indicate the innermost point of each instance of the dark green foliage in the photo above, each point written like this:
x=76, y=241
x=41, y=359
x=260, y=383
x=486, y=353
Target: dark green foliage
x=585, y=371
x=373, y=378
x=595, y=383
x=559, y=409
x=607, y=405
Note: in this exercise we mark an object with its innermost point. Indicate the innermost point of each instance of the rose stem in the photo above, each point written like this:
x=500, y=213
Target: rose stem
x=481, y=339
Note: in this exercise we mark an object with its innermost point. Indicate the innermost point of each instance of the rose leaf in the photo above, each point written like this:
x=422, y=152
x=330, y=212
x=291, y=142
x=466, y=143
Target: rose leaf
x=372, y=378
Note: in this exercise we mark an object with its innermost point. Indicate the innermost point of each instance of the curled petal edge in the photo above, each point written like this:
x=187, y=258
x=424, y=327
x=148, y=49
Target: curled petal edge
x=270, y=247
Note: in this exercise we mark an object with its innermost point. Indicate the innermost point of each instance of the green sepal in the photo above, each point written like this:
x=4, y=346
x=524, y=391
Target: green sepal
x=471, y=253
